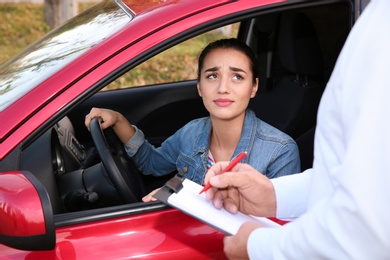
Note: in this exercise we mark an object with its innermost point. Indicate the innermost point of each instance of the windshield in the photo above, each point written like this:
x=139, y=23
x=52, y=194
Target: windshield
x=59, y=48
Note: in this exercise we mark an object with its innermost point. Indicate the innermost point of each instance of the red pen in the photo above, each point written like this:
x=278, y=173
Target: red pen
x=232, y=163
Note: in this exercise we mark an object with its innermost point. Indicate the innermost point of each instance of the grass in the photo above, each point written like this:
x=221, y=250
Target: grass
x=25, y=25
x=22, y=24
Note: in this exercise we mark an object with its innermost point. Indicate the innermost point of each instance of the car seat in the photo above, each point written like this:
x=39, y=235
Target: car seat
x=291, y=102
x=305, y=144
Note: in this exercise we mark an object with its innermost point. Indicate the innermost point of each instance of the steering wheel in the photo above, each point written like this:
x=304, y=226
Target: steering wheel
x=123, y=173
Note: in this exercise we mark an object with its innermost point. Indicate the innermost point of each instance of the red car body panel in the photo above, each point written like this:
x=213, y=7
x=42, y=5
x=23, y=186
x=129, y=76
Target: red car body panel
x=29, y=220
x=145, y=235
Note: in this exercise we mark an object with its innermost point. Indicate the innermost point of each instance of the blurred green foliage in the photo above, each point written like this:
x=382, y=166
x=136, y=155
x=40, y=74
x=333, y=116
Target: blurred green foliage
x=175, y=64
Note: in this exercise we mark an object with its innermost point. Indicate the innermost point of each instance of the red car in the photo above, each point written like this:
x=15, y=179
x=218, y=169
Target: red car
x=61, y=197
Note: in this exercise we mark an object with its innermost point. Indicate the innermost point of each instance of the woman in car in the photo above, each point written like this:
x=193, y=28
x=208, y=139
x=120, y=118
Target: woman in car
x=227, y=80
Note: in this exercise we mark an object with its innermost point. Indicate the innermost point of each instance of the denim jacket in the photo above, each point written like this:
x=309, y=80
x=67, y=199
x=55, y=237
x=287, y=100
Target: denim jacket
x=270, y=151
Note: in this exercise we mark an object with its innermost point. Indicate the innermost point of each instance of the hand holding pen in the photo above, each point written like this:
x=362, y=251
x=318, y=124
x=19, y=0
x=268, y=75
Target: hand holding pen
x=242, y=189
x=232, y=163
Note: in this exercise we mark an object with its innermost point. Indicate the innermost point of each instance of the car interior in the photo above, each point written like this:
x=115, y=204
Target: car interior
x=297, y=50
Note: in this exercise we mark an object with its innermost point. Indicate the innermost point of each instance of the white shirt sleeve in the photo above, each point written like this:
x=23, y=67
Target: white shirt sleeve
x=349, y=201
x=296, y=185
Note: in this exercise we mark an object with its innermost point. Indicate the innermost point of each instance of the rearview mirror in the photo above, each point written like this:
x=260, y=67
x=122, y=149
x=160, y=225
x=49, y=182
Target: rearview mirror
x=26, y=216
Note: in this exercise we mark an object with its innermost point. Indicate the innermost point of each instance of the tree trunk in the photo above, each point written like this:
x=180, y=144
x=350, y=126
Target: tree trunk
x=59, y=11
x=68, y=9
x=52, y=13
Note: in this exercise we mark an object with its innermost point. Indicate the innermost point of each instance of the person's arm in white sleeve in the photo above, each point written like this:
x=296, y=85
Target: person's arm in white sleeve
x=296, y=185
x=350, y=218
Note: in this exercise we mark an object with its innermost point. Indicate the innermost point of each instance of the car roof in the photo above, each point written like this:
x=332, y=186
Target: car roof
x=177, y=7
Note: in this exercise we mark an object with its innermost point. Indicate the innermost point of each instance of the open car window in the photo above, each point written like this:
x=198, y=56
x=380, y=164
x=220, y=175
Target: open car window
x=178, y=63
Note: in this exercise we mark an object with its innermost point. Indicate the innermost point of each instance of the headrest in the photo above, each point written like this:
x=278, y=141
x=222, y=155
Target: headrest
x=300, y=50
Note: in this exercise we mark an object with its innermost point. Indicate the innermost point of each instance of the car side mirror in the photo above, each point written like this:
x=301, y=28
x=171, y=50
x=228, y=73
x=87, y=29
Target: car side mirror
x=26, y=215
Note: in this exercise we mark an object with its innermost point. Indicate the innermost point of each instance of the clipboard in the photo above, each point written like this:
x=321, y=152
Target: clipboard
x=183, y=194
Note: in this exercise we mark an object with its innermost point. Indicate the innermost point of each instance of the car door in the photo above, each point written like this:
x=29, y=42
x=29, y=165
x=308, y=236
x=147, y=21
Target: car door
x=159, y=109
